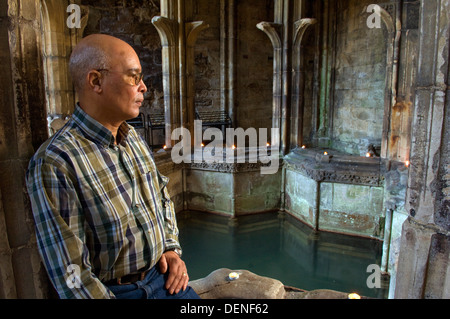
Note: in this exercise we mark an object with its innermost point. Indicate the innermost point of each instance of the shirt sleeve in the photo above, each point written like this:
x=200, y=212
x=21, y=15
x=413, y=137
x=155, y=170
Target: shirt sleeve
x=60, y=232
x=171, y=227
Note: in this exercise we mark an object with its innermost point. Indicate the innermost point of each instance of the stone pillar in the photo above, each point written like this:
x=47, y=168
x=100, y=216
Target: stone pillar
x=228, y=61
x=23, y=128
x=423, y=266
x=300, y=27
x=178, y=35
x=57, y=42
x=285, y=33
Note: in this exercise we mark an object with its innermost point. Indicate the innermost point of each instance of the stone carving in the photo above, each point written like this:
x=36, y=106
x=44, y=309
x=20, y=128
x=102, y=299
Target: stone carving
x=337, y=168
x=227, y=167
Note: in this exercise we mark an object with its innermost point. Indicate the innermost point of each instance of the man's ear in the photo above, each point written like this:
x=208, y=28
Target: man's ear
x=95, y=81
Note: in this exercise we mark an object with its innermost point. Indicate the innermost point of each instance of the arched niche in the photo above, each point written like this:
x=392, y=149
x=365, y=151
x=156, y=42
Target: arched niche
x=351, y=102
x=58, y=40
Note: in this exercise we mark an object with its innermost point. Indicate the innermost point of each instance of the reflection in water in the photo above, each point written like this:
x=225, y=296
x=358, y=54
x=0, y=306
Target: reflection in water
x=280, y=247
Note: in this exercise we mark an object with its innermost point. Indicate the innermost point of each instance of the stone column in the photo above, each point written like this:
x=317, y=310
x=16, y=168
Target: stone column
x=423, y=266
x=57, y=42
x=286, y=35
x=23, y=127
x=178, y=35
x=300, y=27
x=228, y=38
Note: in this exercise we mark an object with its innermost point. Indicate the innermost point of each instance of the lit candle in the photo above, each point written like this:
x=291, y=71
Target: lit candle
x=268, y=144
x=233, y=147
x=303, y=146
x=233, y=275
x=354, y=296
x=325, y=153
x=368, y=154
x=203, y=145
x=165, y=147
x=407, y=163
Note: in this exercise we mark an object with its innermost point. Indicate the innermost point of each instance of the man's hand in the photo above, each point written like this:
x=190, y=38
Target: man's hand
x=178, y=277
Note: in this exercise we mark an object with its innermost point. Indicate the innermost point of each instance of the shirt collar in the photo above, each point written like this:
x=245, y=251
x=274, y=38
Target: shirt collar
x=97, y=131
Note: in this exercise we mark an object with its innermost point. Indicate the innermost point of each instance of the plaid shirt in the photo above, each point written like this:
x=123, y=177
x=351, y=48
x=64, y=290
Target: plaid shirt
x=101, y=210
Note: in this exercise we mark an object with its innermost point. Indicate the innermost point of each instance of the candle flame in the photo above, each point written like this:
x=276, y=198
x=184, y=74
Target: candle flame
x=303, y=146
x=354, y=296
x=407, y=163
x=233, y=276
x=325, y=153
x=233, y=147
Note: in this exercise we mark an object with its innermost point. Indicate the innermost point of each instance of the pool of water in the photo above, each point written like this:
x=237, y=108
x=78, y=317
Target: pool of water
x=278, y=246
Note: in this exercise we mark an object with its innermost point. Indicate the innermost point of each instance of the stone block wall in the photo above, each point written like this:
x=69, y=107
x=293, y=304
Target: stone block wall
x=300, y=196
x=254, y=65
x=256, y=193
x=207, y=53
x=232, y=193
x=351, y=209
x=209, y=191
x=342, y=208
x=360, y=79
x=23, y=127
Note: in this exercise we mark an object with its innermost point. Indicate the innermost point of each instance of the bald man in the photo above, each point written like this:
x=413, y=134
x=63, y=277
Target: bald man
x=105, y=224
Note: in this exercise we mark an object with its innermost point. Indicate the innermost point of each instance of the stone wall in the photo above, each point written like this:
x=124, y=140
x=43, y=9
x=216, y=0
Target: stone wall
x=361, y=90
x=254, y=66
x=232, y=193
x=207, y=57
x=359, y=80
x=343, y=208
x=253, y=58
x=23, y=127
x=423, y=266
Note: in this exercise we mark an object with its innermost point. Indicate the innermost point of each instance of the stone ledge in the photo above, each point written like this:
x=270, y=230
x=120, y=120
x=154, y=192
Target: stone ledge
x=217, y=285
x=336, y=167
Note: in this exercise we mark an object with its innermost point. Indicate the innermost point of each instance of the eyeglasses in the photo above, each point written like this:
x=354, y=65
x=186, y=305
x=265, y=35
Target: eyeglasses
x=137, y=78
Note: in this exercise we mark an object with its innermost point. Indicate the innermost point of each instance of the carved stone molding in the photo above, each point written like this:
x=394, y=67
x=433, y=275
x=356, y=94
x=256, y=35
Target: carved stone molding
x=228, y=167
x=339, y=169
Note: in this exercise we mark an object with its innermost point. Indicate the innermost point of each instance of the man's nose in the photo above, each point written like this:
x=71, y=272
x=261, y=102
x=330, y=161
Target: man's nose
x=142, y=86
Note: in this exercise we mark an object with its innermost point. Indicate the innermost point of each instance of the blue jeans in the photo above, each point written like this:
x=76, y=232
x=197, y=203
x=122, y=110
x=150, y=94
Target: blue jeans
x=152, y=287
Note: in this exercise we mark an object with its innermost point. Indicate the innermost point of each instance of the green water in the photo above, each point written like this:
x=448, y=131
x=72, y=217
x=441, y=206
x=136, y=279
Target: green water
x=280, y=247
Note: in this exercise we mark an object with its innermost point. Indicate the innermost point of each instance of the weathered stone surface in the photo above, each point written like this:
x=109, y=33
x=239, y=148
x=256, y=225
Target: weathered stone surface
x=316, y=294
x=344, y=195
x=217, y=285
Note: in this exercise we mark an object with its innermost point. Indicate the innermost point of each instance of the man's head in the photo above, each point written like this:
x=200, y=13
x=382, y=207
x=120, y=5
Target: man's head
x=107, y=75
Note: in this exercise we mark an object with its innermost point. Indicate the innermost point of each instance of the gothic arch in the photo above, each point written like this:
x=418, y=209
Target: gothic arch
x=57, y=42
